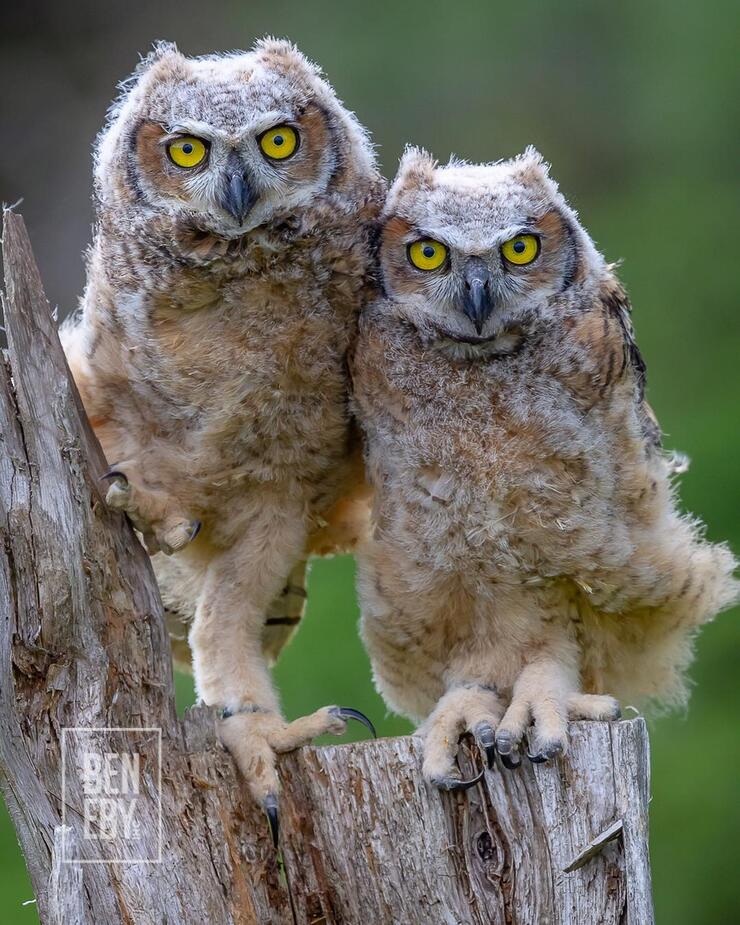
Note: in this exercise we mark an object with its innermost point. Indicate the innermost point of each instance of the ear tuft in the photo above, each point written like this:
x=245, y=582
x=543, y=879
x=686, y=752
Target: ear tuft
x=416, y=168
x=283, y=56
x=531, y=166
x=415, y=172
x=161, y=52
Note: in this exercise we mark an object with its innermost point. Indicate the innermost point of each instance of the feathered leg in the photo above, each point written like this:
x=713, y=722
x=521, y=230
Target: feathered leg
x=228, y=661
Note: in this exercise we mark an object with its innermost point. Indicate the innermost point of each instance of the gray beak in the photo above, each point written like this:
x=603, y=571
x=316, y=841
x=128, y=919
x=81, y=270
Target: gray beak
x=238, y=195
x=477, y=301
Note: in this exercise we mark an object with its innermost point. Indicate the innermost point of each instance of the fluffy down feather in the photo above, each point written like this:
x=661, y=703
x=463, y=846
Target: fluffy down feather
x=527, y=544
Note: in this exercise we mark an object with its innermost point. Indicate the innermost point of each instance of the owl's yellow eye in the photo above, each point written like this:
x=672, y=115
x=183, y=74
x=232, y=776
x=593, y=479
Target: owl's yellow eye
x=427, y=254
x=279, y=143
x=187, y=151
x=522, y=249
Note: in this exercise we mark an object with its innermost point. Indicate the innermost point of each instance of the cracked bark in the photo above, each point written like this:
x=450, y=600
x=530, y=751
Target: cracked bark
x=83, y=644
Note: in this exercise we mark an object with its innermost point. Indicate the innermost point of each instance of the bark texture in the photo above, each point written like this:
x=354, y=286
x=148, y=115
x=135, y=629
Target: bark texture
x=83, y=645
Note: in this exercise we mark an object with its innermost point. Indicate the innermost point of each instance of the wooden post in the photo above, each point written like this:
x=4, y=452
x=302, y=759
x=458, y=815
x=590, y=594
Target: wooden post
x=83, y=646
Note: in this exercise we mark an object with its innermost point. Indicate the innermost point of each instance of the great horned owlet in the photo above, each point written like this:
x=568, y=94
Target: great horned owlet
x=236, y=198
x=529, y=563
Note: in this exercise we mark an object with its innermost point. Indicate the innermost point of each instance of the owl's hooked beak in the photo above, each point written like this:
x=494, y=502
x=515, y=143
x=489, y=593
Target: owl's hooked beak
x=238, y=195
x=477, y=301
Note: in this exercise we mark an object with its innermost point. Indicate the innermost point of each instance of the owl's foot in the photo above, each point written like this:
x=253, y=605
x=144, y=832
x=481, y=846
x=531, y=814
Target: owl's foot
x=550, y=718
x=474, y=709
x=151, y=512
x=255, y=737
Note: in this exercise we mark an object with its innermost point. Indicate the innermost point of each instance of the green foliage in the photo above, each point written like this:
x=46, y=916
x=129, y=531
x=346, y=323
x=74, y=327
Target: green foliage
x=633, y=103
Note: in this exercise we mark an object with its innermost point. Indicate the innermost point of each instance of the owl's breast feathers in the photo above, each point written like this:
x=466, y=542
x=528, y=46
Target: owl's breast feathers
x=238, y=353
x=160, y=279
x=553, y=446
x=579, y=365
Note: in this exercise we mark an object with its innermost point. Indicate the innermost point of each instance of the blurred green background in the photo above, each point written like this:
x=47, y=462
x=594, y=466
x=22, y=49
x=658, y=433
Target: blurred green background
x=635, y=105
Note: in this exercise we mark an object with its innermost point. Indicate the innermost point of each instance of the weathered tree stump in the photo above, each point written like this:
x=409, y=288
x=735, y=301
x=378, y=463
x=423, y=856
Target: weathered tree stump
x=83, y=647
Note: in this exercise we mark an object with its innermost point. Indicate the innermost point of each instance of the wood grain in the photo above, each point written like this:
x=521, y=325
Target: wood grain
x=385, y=847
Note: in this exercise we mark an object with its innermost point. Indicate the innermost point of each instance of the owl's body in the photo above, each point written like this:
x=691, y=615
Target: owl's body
x=528, y=559
x=235, y=369
x=210, y=350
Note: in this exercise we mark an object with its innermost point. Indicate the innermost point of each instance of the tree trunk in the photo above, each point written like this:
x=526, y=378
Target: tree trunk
x=87, y=721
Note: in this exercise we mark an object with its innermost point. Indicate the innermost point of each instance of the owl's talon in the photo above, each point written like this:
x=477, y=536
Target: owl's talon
x=486, y=740
x=114, y=473
x=456, y=783
x=510, y=760
x=348, y=713
x=505, y=744
x=270, y=806
x=195, y=530
x=547, y=751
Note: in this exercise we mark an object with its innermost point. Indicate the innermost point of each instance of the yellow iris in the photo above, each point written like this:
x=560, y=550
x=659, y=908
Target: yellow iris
x=427, y=254
x=187, y=151
x=279, y=142
x=521, y=250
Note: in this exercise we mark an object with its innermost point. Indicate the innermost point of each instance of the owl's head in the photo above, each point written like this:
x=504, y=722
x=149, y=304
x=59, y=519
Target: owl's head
x=471, y=254
x=228, y=142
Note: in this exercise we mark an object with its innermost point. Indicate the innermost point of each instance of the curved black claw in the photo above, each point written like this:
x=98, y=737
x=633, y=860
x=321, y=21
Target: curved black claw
x=509, y=762
x=113, y=474
x=486, y=741
x=454, y=783
x=195, y=530
x=349, y=713
x=270, y=807
x=547, y=750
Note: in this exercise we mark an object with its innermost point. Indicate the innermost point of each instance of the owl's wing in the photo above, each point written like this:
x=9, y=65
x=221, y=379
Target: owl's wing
x=338, y=530
x=616, y=304
x=285, y=613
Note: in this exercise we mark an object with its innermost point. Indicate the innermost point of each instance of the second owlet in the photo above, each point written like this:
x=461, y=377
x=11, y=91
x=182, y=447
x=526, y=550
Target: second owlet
x=236, y=199
x=529, y=563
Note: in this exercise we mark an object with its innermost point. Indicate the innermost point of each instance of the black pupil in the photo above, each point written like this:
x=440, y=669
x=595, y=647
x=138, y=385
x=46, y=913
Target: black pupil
x=187, y=148
x=278, y=140
x=428, y=251
x=520, y=247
